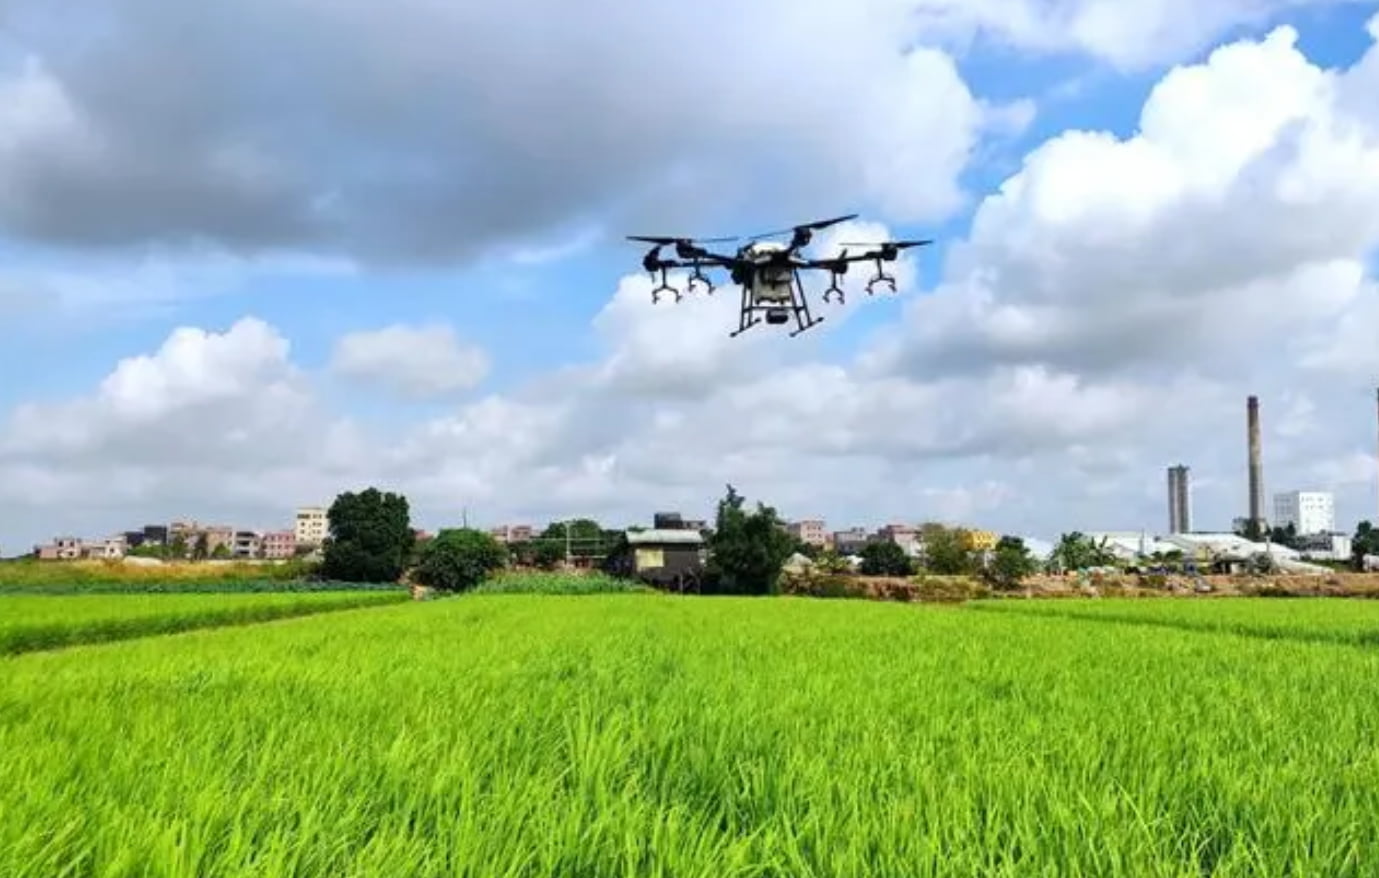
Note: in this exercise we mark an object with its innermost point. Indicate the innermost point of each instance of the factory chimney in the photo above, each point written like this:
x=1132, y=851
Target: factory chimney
x=1256, y=518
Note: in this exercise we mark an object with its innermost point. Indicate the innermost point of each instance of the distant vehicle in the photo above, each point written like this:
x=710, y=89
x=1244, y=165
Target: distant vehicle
x=769, y=271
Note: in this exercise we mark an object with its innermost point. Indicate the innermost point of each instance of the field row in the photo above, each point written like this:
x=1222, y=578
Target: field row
x=1353, y=622
x=656, y=735
x=31, y=623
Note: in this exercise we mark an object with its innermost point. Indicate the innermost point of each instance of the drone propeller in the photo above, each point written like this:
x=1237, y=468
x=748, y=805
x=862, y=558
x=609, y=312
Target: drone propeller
x=806, y=227
x=888, y=250
x=667, y=241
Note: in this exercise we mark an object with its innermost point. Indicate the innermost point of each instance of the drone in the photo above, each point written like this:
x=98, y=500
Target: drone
x=769, y=271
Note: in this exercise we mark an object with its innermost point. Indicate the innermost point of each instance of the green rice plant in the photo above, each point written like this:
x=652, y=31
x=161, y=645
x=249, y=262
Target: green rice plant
x=31, y=622
x=557, y=583
x=677, y=736
x=1350, y=621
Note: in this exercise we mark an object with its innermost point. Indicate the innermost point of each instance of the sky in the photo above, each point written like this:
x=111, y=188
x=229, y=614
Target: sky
x=260, y=252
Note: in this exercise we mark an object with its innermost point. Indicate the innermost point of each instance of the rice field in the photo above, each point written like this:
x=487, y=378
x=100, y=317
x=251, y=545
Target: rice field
x=656, y=735
x=30, y=622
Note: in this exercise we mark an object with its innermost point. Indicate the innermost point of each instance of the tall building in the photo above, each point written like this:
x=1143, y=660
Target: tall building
x=1309, y=512
x=312, y=526
x=810, y=531
x=1179, y=500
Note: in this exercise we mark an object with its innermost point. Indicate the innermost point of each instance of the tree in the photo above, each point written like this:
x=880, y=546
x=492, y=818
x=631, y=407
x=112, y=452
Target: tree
x=370, y=538
x=459, y=559
x=546, y=555
x=178, y=547
x=747, y=549
x=220, y=552
x=1010, y=563
x=885, y=558
x=1285, y=536
x=1365, y=542
x=587, y=538
x=201, y=549
x=1077, y=551
x=947, y=551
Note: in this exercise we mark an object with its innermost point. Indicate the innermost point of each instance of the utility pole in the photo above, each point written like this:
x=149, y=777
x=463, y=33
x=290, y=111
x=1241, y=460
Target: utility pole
x=464, y=517
x=567, y=542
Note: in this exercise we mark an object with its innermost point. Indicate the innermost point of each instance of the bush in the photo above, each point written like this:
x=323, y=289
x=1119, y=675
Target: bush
x=558, y=584
x=458, y=560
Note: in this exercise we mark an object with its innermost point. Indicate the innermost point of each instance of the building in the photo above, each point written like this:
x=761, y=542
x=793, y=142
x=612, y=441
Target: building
x=312, y=526
x=279, y=544
x=810, y=532
x=1309, y=512
x=906, y=536
x=1326, y=547
x=246, y=544
x=850, y=541
x=1179, y=500
x=512, y=533
x=663, y=558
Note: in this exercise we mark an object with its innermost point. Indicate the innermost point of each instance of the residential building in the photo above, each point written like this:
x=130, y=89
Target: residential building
x=155, y=534
x=246, y=544
x=312, y=526
x=279, y=544
x=1309, y=512
x=61, y=549
x=217, y=536
x=512, y=533
x=1179, y=500
x=810, y=532
x=850, y=541
x=906, y=536
x=1326, y=547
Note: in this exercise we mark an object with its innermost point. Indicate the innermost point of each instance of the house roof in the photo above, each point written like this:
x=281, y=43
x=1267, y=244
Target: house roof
x=665, y=537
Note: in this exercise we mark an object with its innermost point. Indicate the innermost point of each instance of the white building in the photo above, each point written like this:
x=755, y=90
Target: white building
x=1309, y=512
x=311, y=527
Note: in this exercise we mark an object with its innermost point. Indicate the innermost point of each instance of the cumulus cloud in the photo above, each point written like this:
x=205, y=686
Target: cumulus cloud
x=433, y=133
x=1112, y=305
x=414, y=361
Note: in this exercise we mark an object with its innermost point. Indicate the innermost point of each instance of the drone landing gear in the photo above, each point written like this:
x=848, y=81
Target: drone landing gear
x=801, y=308
x=746, y=319
x=700, y=277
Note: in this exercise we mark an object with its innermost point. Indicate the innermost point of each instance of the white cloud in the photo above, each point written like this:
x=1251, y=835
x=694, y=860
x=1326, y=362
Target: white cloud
x=414, y=361
x=1112, y=305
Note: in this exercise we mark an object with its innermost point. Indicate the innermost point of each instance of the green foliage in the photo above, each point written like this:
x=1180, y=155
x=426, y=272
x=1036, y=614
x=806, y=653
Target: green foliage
x=587, y=539
x=559, y=584
x=1365, y=542
x=370, y=538
x=32, y=622
x=615, y=735
x=459, y=559
x=547, y=556
x=885, y=558
x=747, y=549
x=1011, y=563
x=30, y=575
x=946, y=552
x=1077, y=551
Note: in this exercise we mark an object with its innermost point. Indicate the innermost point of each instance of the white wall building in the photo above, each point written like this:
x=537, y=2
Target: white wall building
x=311, y=526
x=1309, y=512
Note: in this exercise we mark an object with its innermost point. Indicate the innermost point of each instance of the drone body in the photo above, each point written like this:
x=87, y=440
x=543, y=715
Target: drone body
x=769, y=272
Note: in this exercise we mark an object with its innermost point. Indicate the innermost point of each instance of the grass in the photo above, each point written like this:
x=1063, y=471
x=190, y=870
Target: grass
x=1332, y=620
x=555, y=583
x=29, y=576
x=32, y=622
x=655, y=735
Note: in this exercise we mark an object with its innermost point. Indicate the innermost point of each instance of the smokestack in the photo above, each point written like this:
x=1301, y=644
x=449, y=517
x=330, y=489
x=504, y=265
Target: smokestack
x=1256, y=468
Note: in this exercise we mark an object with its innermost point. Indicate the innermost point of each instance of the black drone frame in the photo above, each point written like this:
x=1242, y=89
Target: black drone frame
x=689, y=254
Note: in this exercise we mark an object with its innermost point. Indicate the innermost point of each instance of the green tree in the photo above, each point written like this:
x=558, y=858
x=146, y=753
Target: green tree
x=947, y=552
x=201, y=548
x=747, y=549
x=370, y=537
x=547, y=555
x=1077, y=551
x=178, y=547
x=1365, y=542
x=1011, y=563
x=885, y=558
x=587, y=538
x=221, y=552
x=459, y=559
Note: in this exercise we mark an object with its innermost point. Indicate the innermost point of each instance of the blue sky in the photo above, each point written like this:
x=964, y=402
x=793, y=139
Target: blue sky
x=301, y=152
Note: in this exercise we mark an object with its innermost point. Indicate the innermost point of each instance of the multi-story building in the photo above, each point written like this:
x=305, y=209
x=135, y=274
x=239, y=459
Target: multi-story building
x=1309, y=512
x=279, y=544
x=512, y=533
x=850, y=541
x=1179, y=500
x=312, y=526
x=247, y=544
x=906, y=536
x=810, y=532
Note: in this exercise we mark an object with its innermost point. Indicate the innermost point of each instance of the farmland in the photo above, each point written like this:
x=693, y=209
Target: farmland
x=43, y=622
x=647, y=734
